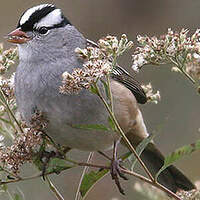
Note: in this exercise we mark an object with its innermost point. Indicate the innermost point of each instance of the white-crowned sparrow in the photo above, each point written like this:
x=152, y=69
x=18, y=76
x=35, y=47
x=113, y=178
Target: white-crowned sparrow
x=46, y=42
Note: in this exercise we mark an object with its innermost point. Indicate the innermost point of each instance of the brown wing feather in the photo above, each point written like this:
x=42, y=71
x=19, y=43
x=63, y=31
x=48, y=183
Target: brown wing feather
x=122, y=76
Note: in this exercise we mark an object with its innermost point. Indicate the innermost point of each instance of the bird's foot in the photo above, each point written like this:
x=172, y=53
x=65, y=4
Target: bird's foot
x=46, y=156
x=115, y=170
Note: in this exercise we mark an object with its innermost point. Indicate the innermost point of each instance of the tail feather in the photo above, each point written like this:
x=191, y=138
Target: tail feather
x=171, y=177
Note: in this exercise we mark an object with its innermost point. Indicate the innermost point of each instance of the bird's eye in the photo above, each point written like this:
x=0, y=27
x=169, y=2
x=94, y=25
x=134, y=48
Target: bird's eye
x=43, y=30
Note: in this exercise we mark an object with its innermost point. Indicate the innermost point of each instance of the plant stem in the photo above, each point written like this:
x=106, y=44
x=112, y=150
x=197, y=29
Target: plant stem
x=10, y=111
x=82, y=164
x=54, y=189
x=77, y=197
x=187, y=75
x=110, y=93
x=124, y=170
x=180, y=67
x=156, y=184
x=123, y=135
x=9, y=121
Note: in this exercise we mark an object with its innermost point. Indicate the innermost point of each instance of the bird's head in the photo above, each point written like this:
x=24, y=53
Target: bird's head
x=38, y=23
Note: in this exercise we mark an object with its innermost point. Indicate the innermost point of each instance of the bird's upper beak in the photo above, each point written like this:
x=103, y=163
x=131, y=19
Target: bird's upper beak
x=18, y=37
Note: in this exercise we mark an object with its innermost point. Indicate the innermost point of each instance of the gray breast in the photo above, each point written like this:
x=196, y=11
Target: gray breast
x=39, y=89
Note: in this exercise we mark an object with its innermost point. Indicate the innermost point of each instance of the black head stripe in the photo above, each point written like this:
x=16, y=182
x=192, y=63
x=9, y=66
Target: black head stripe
x=37, y=16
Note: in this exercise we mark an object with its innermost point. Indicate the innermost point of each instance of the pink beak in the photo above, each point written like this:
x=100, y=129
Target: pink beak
x=18, y=37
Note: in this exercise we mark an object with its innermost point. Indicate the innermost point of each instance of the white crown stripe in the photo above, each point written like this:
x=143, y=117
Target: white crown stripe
x=53, y=18
x=30, y=11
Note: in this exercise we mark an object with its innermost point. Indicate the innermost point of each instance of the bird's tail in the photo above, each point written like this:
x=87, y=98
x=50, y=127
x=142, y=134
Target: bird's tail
x=171, y=177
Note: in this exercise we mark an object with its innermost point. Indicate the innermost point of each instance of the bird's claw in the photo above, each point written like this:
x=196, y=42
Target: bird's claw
x=46, y=157
x=116, y=172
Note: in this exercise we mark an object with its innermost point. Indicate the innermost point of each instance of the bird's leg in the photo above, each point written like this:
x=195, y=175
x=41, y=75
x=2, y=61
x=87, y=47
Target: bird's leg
x=104, y=155
x=115, y=170
x=46, y=156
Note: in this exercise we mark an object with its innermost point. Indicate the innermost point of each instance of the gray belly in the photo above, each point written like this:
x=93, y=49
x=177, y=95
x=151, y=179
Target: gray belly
x=64, y=112
x=38, y=89
x=67, y=111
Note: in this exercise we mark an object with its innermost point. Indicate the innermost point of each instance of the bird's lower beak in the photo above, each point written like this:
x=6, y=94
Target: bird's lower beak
x=18, y=37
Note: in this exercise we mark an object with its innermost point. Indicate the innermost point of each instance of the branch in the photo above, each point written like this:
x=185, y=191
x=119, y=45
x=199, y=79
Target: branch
x=54, y=189
x=77, y=197
x=156, y=184
x=124, y=170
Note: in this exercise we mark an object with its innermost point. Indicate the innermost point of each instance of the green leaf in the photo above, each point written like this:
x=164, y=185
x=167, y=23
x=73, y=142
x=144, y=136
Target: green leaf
x=93, y=90
x=93, y=177
x=5, y=120
x=106, y=88
x=57, y=165
x=125, y=156
x=111, y=124
x=90, y=179
x=140, y=148
x=99, y=127
x=37, y=156
x=18, y=197
x=178, y=154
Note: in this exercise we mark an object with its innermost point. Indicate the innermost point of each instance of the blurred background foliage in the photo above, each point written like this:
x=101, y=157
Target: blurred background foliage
x=176, y=118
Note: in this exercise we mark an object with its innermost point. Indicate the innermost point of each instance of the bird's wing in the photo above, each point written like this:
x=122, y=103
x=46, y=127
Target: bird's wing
x=122, y=76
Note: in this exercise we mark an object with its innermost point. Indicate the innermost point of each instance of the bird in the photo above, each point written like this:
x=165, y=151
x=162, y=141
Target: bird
x=46, y=43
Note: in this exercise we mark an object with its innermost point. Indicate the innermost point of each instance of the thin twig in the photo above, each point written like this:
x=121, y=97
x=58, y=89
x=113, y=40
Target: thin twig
x=82, y=164
x=156, y=184
x=86, y=164
x=10, y=111
x=5, y=106
x=110, y=92
x=104, y=155
x=180, y=67
x=54, y=189
x=124, y=170
x=77, y=197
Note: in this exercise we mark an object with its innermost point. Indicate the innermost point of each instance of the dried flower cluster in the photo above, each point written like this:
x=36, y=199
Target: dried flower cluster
x=193, y=66
x=189, y=195
x=112, y=47
x=152, y=97
x=7, y=86
x=98, y=62
x=25, y=144
x=38, y=121
x=175, y=48
x=84, y=77
x=21, y=151
x=7, y=58
x=152, y=193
